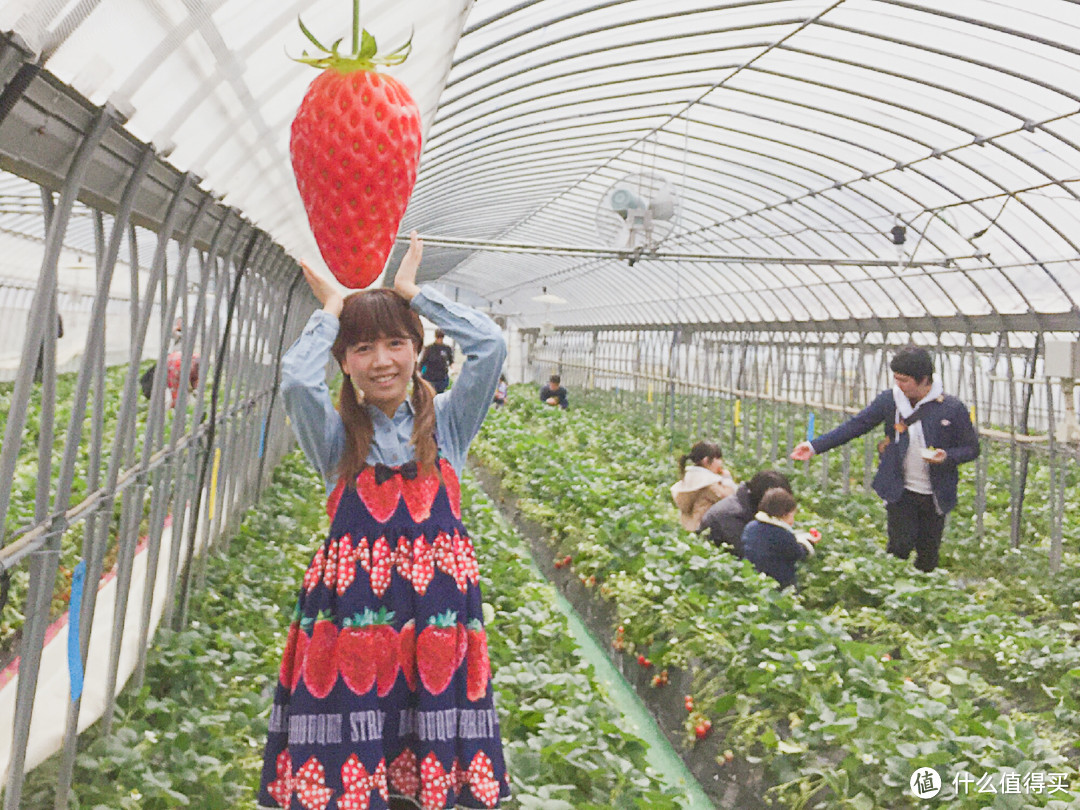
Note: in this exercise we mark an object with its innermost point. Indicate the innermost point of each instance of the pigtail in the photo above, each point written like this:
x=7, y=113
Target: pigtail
x=359, y=431
x=423, y=435
x=682, y=464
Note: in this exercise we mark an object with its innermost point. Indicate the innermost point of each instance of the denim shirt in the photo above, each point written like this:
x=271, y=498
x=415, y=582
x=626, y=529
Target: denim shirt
x=459, y=412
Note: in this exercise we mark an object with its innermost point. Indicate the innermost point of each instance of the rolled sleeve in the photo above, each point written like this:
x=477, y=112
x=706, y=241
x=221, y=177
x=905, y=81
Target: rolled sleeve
x=460, y=412
x=316, y=423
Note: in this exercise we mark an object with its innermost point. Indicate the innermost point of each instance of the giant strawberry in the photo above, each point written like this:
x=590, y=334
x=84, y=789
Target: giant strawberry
x=355, y=147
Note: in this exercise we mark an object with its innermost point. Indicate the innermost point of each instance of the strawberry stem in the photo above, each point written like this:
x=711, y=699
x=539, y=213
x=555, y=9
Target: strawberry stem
x=356, y=26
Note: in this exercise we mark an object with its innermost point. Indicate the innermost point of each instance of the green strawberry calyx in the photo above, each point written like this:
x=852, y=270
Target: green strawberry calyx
x=364, y=55
x=444, y=620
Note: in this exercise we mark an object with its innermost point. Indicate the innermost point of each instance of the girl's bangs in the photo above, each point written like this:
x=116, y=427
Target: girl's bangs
x=371, y=315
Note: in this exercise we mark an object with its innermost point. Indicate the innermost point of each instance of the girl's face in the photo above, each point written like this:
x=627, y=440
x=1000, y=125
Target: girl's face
x=381, y=369
x=715, y=465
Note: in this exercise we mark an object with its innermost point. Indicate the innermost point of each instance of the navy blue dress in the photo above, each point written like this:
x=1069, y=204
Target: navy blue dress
x=384, y=688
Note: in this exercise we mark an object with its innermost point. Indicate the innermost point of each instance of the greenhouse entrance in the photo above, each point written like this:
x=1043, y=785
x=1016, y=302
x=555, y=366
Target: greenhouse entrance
x=705, y=435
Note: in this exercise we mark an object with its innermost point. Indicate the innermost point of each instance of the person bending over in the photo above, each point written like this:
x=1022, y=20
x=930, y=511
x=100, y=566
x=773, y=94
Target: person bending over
x=726, y=519
x=553, y=393
x=769, y=542
x=704, y=483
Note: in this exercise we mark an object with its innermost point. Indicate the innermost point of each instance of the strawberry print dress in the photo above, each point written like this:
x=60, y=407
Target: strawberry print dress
x=384, y=688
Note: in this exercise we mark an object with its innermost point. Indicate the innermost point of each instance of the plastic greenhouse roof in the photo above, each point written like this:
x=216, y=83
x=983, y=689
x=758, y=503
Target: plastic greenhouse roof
x=767, y=147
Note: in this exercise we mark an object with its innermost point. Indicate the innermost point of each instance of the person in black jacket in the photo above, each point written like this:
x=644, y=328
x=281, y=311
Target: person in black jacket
x=769, y=542
x=554, y=394
x=435, y=363
x=928, y=434
x=726, y=519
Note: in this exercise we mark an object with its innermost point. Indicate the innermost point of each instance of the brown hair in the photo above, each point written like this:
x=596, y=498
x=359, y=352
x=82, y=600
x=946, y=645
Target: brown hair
x=777, y=503
x=367, y=316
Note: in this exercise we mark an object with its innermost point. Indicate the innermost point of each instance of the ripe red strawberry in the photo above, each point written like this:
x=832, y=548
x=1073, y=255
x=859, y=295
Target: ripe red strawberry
x=382, y=566
x=315, y=570
x=311, y=786
x=285, y=673
x=355, y=654
x=346, y=572
x=420, y=492
x=434, y=782
x=330, y=574
x=437, y=652
x=302, y=641
x=423, y=565
x=702, y=729
x=482, y=782
x=382, y=499
x=320, y=665
x=405, y=773
x=407, y=653
x=453, y=486
x=355, y=147
x=478, y=665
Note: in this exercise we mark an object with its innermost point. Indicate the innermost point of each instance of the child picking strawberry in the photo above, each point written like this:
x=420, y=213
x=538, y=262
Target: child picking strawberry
x=769, y=542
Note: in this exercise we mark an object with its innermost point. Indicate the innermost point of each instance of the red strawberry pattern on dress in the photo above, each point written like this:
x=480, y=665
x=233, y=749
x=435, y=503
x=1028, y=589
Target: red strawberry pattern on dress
x=453, y=486
x=310, y=785
x=445, y=560
x=403, y=558
x=482, y=781
x=419, y=494
x=435, y=783
x=478, y=664
x=423, y=565
x=382, y=499
x=382, y=566
x=405, y=774
x=331, y=572
x=437, y=652
x=320, y=665
x=314, y=570
x=282, y=787
x=359, y=784
x=407, y=653
x=346, y=572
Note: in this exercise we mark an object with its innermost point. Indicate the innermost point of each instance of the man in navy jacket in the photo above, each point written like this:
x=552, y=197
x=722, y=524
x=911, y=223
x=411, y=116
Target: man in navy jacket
x=928, y=434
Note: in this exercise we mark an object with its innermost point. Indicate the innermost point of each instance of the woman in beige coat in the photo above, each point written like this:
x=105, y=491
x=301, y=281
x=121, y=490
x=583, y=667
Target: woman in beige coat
x=703, y=483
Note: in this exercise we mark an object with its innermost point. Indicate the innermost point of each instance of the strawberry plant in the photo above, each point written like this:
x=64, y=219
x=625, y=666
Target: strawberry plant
x=193, y=736
x=831, y=695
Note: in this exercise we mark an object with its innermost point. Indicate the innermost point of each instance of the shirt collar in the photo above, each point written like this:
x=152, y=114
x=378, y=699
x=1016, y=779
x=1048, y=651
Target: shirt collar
x=403, y=410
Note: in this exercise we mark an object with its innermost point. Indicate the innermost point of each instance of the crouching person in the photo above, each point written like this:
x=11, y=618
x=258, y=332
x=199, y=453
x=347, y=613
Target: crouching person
x=769, y=541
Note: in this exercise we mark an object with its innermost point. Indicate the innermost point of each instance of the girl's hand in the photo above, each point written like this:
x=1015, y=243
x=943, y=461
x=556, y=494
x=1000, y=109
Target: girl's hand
x=330, y=294
x=405, y=278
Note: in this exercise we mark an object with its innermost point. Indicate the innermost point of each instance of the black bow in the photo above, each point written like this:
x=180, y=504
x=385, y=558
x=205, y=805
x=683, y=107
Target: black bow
x=384, y=472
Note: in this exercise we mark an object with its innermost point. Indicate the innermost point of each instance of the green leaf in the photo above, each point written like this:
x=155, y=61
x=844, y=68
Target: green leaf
x=368, y=49
x=938, y=690
x=956, y=675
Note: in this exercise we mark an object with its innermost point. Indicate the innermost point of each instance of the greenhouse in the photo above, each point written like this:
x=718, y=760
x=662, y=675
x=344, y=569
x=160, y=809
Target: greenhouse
x=684, y=324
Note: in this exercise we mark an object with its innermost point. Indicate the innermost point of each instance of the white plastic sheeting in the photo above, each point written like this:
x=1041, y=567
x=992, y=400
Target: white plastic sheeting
x=792, y=129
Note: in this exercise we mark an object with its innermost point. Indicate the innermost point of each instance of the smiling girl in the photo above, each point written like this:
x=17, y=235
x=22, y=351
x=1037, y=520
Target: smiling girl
x=384, y=697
